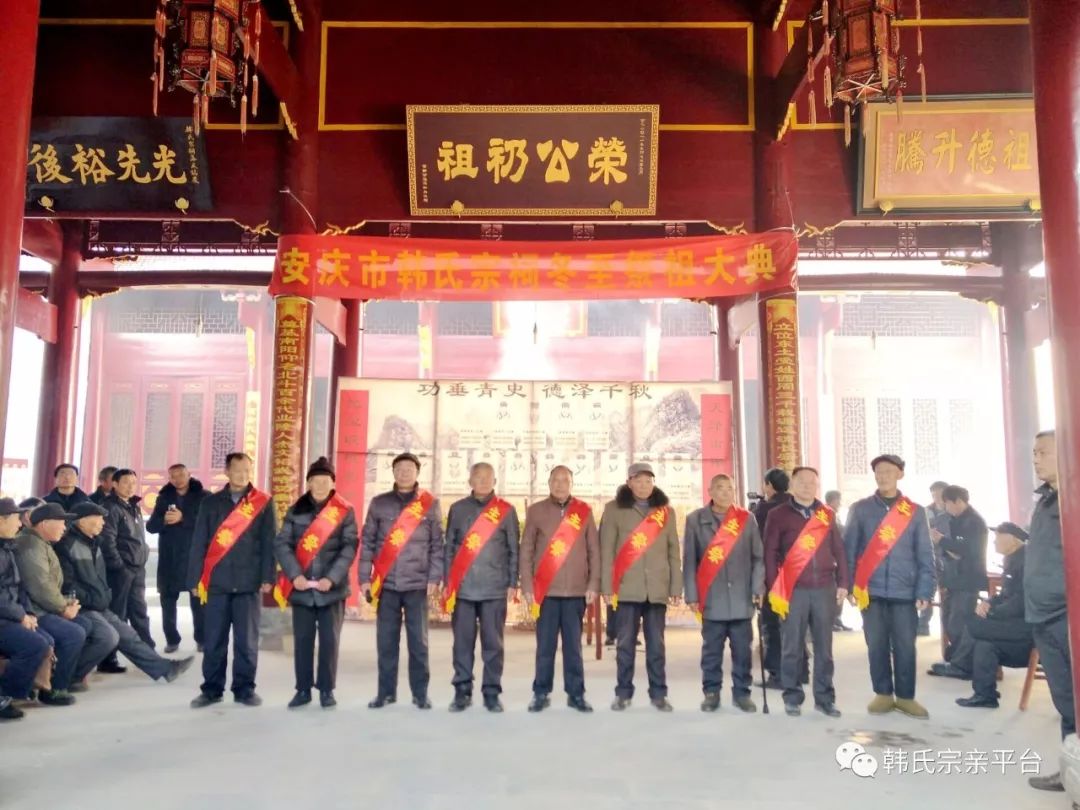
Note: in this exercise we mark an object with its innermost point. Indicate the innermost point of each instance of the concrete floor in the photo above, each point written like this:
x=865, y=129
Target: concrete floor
x=132, y=743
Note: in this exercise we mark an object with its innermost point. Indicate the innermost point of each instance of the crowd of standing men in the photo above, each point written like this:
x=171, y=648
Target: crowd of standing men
x=72, y=584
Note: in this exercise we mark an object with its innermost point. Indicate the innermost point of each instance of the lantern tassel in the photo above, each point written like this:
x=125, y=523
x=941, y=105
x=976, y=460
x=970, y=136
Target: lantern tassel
x=825, y=16
x=255, y=54
x=922, y=81
x=205, y=109
x=258, y=21
x=247, y=46
x=161, y=71
x=212, y=81
x=153, y=83
x=847, y=125
x=195, y=112
x=813, y=108
x=254, y=95
x=828, y=86
x=884, y=59
x=243, y=114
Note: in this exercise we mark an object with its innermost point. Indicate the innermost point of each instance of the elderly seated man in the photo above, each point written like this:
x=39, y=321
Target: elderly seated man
x=83, y=564
x=996, y=633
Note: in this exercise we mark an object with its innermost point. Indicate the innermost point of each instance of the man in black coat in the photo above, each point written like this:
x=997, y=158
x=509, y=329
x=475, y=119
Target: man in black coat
x=776, y=494
x=230, y=584
x=125, y=536
x=963, y=564
x=66, y=492
x=413, y=577
x=173, y=521
x=316, y=582
x=105, y=485
x=996, y=633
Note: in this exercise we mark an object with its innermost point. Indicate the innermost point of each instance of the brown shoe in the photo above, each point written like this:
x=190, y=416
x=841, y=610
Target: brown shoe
x=881, y=704
x=912, y=708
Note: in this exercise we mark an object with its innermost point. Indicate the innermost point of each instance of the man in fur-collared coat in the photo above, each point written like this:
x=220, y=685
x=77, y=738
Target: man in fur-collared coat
x=641, y=574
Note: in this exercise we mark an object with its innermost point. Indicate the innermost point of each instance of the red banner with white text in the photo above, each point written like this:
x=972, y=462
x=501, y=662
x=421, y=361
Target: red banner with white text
x=372, y=267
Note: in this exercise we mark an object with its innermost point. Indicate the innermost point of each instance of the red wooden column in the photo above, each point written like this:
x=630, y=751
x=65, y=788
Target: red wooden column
x=18, y=49
x=730, y=368
x=1055, y=33
x=778, y=322
x=294, y=321
x=55, y=416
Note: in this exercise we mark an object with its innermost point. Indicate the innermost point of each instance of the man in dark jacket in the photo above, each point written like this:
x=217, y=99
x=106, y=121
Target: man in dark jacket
x=315, y=549
x=104, y=487
x=996, y=633
x=413, y=565
x=66, y=493
x=559, y=566
x=963, y=564
x=125, y=535
x=900, y=585
x=1044, y=595
x=939, y=528
x=20, y=641
x=727, y=607
x=776, y=494
x=811, y=598
x=477, y=584
x=82, y=561
x=173, y=521
x=230, y=565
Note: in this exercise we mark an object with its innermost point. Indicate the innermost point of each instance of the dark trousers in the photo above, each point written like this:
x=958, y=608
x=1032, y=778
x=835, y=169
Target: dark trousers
x=560, y=617
x=609, y=624
x=25, y=650
x=770, y=639
x=325, y=622
x=889, y=626
x=739, y=636
x=813, y=609
x=412, y=607
x=168, y=617
x=68, y=641
x=108, y=625
x=956, y=608
x=240, y=612
x=490, y=616
x=101, y=640
x=629, y=619
x=1052, y=639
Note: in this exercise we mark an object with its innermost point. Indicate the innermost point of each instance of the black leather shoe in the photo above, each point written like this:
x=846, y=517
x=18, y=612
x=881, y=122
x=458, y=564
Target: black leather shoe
x=250, y=699
x=620, y=704
x=792, y=710
x=204, y=700
x=1052, y=782
x=178, y=668
x=662, y=704
x=827, y=709
x=421, y=702
x=493, y=704
x=171, y=648
x=539, y=703
x=745, y=704
x=461, y=702
x=579, y=703
x=327, y=699
x=9, y=711
x=382, y=700
x=839, y=627
x=301, y=698
x=711, y=702
x=945, y=670
x=609, y=642
x=977, y=702
x=56, y=697
x=111, y=668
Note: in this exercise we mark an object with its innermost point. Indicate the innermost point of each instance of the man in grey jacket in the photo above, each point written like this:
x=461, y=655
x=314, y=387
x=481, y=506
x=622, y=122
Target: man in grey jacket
x=734, y=590
x=1044, y=595
x=480, y=597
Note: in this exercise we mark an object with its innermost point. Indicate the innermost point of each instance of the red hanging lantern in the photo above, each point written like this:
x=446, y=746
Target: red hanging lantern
x=204, y=46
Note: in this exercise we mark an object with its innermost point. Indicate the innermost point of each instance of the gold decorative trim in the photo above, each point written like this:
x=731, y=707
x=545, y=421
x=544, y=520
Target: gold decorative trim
x=737, y=230
x=337, y=230
x=814, y=231
x=287, y=119
x=779, y=14
x=297, y=18
x=262, y=229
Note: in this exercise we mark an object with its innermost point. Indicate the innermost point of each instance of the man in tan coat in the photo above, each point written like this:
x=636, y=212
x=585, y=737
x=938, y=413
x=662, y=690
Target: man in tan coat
x=560, y=574
x=641, y=575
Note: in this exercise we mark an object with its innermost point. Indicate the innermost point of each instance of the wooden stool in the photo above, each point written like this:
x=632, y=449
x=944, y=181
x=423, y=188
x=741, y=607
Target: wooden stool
x=1032, y=674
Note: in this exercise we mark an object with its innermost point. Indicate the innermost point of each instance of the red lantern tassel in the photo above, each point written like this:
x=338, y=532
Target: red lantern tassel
x=247, y=45
x=161, y=71
x=813, y=108
x=153, y=83
x=243, y=114
x=825, y=16
x=847, y=125
x=828, y=84
x=196, y=112
x=205, y=109
x=255, y=54
x=212, y=81
x=258, y=21
x=254, y=95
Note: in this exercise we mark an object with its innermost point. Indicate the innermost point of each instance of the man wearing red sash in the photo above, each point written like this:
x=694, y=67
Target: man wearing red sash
x=232, y=560
x=560, y=574
x=724, y=581
x=891, y=558
x=806, y=569
x=641, y=574
x=401, y=564
x=315, y=549
x=482, y=535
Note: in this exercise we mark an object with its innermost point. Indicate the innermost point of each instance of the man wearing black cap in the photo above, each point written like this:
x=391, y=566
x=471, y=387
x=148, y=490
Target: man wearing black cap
x=66, y=493
x=995, y=633
x=85, y=573
x=776, y=486
x=315, y=549
x=125, y=536
x=401, y=564
x=232, y=560
x=963, y=564
x=890, y=557
x=21, y=642
x=26, y=506
x=640, y=575
x=43, y=578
